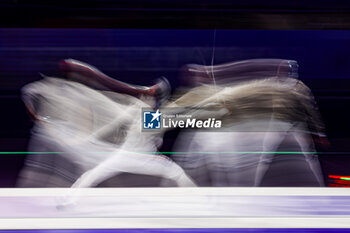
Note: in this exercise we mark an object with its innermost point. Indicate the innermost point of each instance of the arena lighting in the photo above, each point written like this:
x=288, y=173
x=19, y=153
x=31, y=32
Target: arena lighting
x=177, y=208
x=339, y=177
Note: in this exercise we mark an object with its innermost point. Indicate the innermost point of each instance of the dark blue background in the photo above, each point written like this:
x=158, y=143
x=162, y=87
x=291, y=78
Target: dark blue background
x=322, y=54
x=141, y=55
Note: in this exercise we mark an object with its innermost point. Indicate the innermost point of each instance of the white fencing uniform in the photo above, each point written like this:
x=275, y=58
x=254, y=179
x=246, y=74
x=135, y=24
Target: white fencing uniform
x=266, y=116
x=100, y=132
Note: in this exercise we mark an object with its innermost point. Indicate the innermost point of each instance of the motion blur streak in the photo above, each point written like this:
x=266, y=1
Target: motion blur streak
x=268, y=110
x=261, y=103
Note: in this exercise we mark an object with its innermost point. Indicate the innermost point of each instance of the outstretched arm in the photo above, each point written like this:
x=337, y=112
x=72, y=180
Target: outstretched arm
x=91, y=76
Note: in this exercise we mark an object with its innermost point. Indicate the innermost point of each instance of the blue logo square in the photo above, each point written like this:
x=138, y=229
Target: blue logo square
x=152, y=120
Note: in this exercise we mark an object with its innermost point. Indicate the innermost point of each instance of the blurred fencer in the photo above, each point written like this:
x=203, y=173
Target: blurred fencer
x=96, y=125
x=268, y=108
x=260, y=102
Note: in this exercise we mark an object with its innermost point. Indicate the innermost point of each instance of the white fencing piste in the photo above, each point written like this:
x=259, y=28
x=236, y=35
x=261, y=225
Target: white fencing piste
x=176, y=208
